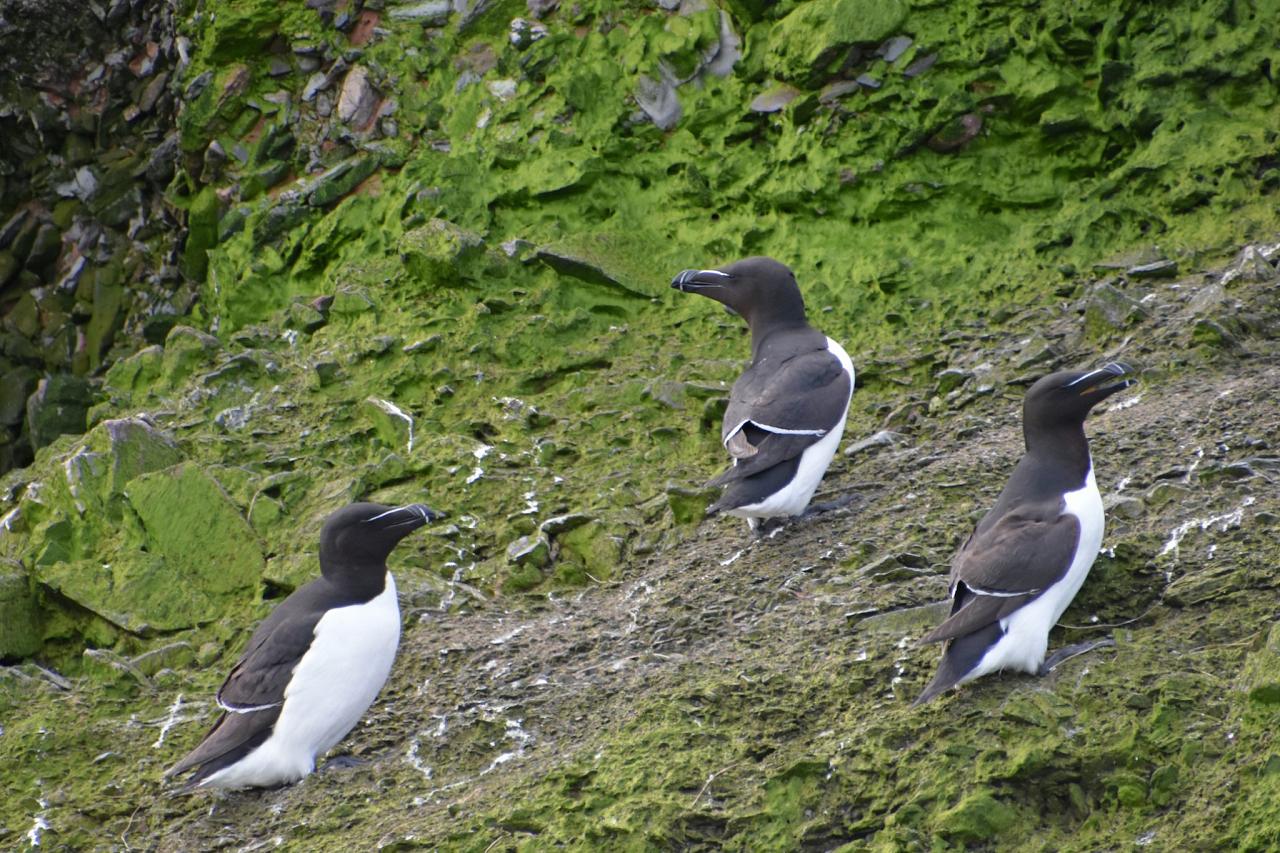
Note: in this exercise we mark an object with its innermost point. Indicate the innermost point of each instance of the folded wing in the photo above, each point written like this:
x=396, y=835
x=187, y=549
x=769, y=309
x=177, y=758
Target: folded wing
x=1005, y=566
x=774, y=413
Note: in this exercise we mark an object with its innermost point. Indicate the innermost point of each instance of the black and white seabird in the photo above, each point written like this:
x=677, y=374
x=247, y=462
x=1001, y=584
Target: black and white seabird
x=313, y=667
x=1029, y=556
x=786, y=413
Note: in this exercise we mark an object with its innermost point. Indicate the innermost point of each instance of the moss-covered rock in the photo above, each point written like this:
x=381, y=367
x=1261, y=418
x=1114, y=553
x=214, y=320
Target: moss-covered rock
x=813, y=39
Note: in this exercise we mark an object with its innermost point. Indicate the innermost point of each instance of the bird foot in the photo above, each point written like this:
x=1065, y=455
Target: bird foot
x=343, y=762
x=766, y=528
x=828, y=506
x=1067, y=652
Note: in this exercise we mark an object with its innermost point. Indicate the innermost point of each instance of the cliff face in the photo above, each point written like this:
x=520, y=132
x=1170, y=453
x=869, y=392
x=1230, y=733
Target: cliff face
x=421, y=251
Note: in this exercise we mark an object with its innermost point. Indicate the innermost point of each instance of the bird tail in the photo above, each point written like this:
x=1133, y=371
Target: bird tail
x=960, y=657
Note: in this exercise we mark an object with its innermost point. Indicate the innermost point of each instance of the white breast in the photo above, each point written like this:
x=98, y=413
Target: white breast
x=1026, y=636
x=792, y=498
x=332, y=686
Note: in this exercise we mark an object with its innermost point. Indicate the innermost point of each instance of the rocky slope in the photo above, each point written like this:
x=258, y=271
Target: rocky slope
x=432, y=246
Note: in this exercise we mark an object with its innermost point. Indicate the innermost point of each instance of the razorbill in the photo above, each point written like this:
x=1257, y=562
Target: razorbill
x=1025, y=562
x=786, y=413
x=313, y=666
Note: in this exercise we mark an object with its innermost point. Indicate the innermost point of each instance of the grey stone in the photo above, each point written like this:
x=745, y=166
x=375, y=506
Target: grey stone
x=891, y=49
x=530, y=550
x=657, y=100
x=1124, y=506
x=21, y=619
x=951, y=379
x=1156, y=269
x=883, y=438
x=1108, y=310
x=358, y=99
x=564, y=523
x=774, y=99
x=57, y=407
x=920, y=66
x=430, y=12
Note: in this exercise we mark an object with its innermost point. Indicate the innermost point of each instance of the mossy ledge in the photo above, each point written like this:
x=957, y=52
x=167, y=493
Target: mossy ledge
x=432, y=249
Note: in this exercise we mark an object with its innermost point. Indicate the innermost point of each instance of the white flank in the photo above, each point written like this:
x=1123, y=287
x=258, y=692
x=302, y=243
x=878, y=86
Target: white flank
x=1026, y=630
x=792, y=498
x=332, y=686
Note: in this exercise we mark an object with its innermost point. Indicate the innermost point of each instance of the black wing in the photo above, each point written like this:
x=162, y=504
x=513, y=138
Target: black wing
x=774, y=413
x=252, y=694
x=1007, y=565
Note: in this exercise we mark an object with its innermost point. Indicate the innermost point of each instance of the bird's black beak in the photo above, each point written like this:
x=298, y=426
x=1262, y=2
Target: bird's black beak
x=700, y=281
x=1097, y=384
x=407, y=518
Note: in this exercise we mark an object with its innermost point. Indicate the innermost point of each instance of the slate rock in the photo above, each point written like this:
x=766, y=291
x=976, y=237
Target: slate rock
x=358, y=98
x=532, y=550
x=1261, y=675
x=21, y=618
x=818, y=34
x=57, y=407
x=438, y=253
x=186, y=349
x=1108, y=311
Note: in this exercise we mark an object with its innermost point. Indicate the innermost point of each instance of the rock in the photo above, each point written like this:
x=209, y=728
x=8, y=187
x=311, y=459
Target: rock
x=21, y=619
x=13, y=226
x=530, y=551
x=305, y=317
x=202, y=556
x=1124, y=506
x=883, y=438
x=335, y=183
x=82, y=186
x=523, y=33
x=1261, y=675
x=129, y=448
x=956, y=134
x=393, y=425
x=45, y=247
x=137, y=373
x=57, y=407
x=17, y=386
x=433, y=13
x=979, y=816
x=892, y=49
x=772, y=100
x=185, y=350
x=893, y=567
x=539, y=8
x=9, y=267
x=950, y=379
x=1250, y=265
x=588, y=552
x=1036, y=350
x=657, y=99
x=106, y=316
x=1162, y=494
x=358, y=99
x=169, y=656
x=817, y=35
x=351, y=301
x=689, y=506
x=1155, y=269
x=1107, y=311
x=553, y=527
x=439, y=253
x=583, y=269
